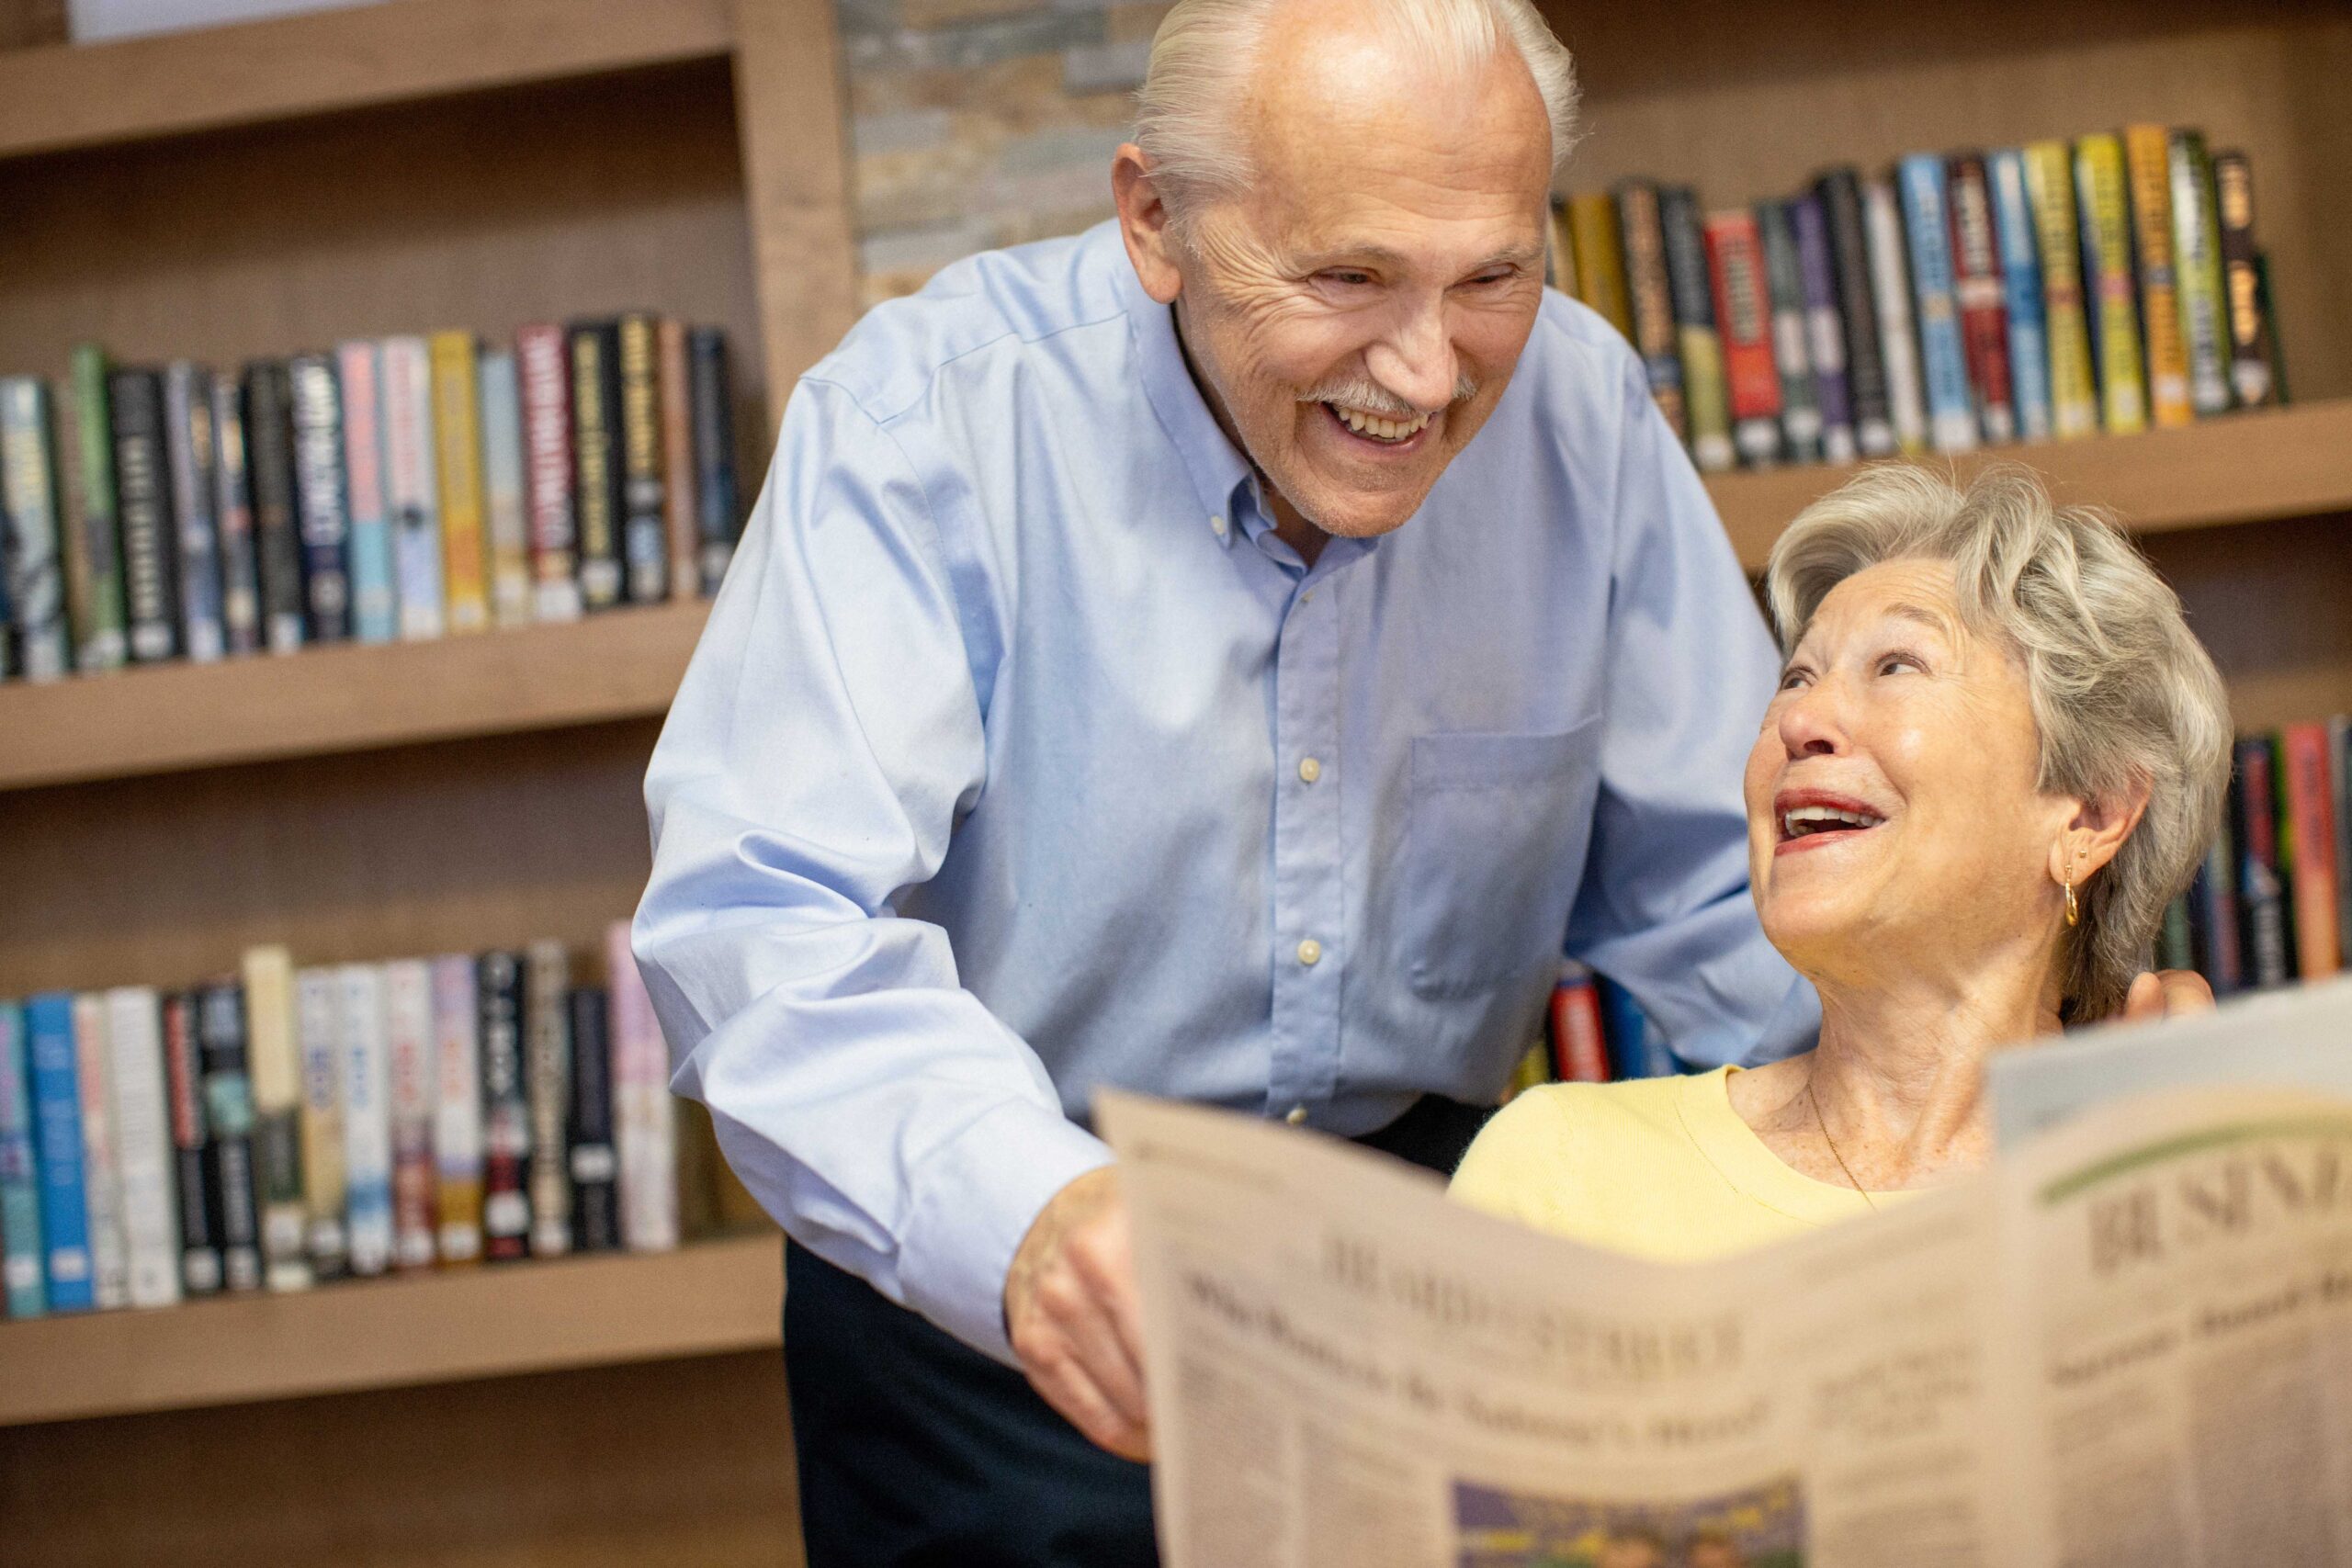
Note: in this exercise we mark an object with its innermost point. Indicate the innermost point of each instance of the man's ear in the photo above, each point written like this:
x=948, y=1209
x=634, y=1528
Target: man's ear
x=2100, y=824
x=1144, y=224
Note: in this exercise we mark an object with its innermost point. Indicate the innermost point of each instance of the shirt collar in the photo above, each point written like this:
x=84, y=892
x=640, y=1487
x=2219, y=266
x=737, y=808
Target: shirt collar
x=1218, y=468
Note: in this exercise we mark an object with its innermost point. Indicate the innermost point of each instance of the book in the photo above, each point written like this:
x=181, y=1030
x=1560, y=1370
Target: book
x=1600, y=258
x=31, y=542
x=410, y=1044
x=542, y=361
x=2112, y=296
x=1825, y=329
x=546, y=1033
x=1743, y=317
x=1840, y=194
x=229, y=1117
x=645, y=544
x=457, y=1108
x=195, y=1181
x=2307, y=843
x=714, y=421
x=412, y=485
x=2250, y=372
x=321, y=501
x=233, y=515
x=588, y=1130
x=1801, y=422
x=644, y=1129
x=101, y=1155
x=318, y=1023
x=506, y=1109
x=190, y=450
x=144, y=501
x=277, y=526
x=1943, y=355
x=1907, y=392
x=2213, y=915
x=101, y=633
x=1649, y=298
x=2147, y=161
x=21, y=1235
x=2265, y=933
x=2050, y=194
x=679, y=505
x=507, y=518
x=2197, y=269
x=2339, y=769
x=2023, y=299
x=1980, y=295
x=457, y=427
x=1706, y=394
x=1579, y=1054
x=54, y=1074
x=598, y=474
x=142, y=1131
x=1560, y=260
x=374, y=569
x=274, y=1058
x=1636, y=1049
x=366, y=1081
x=2175, y=946
x=2267, y=312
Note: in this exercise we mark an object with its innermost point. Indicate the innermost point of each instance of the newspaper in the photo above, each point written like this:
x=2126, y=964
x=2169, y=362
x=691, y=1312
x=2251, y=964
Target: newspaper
x=2131, y=1343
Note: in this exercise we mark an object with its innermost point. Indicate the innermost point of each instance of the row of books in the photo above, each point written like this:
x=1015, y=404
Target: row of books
x=287, y=1126
x=1593, y=1032
x=394, y=489
x=2048, y=291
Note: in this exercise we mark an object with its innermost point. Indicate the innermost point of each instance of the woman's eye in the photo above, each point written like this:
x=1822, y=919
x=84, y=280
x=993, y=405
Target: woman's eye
x=1792, y=679
x=1890, y=663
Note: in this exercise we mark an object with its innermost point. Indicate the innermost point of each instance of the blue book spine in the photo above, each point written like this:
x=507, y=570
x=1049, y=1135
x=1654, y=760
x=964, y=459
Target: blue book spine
x=2021, y=278
x=57, y=1131
x=375, y=598
x=1635, y=1049
x=1824, y=328
x=1927, y=226
x=20, y=1250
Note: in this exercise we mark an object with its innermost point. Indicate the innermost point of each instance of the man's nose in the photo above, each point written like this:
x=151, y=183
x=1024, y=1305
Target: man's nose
x=1416, y=361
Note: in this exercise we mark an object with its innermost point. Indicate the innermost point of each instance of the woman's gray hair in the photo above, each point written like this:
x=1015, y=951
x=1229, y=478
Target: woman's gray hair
x=2122, y=692
x=1202, y=53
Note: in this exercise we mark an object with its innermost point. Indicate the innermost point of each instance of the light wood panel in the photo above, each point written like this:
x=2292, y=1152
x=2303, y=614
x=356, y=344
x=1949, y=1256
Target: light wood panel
x=69, y=95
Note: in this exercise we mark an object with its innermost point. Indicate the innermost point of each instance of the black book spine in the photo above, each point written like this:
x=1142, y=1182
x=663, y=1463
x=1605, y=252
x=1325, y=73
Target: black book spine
x=1850, y=258
x=718, y=522
x=644, y=541
x=233, y=510
x=597, y=463
x=320, y=499
x=595, y=1193
x=506, y=1109
x=278, y=539
x=189, y=448
x=199, y=1190
x=228, y=1107
x=2266, y=903
x=143, y=496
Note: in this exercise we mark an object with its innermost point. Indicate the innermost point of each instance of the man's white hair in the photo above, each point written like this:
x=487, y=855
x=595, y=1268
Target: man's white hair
x=1204, y=51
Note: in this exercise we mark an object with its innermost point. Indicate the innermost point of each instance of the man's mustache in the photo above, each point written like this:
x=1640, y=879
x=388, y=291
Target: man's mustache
x=1370, y=397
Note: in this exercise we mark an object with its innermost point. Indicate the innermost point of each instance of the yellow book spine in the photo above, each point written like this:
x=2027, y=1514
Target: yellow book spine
x=2074, y=391
x=456, y=433
x=2147, y=157
x=1564, y=251
x=2107, y=247
x=1600, y=258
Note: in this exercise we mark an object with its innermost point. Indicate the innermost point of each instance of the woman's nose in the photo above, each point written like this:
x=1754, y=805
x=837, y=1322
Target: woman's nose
x=1810, y=723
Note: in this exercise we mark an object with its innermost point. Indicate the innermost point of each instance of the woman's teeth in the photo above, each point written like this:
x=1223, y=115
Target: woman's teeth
x=1805, y=819
x=1377, y=427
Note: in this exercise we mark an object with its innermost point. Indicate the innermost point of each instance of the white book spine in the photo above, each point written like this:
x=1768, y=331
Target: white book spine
x=642, y=1108
x=318, y=1023
x=408, y=1042
x=508, y=517
x=1907, y=392
x=410, y=484
x=101, y=1170
x=143, y=1154
x=457, y=1117
x=367, y=1118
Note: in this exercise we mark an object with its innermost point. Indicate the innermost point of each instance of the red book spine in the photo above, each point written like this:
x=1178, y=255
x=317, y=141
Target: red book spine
x=542, y=366
x=1978, y=290
x=1744, y=316
x=1579, y=1051
x=2311, y=811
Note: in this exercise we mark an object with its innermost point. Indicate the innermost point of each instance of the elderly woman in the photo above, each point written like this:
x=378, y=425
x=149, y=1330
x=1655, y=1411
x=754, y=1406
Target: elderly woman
x=1995, y=754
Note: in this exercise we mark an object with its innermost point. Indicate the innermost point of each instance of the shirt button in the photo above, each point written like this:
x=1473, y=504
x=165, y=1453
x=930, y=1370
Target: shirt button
x=1309, y=770
x=1295, y=1115
x=1216, y=526
x=1309, y=950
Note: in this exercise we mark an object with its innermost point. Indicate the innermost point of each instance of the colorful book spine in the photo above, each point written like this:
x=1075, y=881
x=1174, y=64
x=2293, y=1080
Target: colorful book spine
x=645, y=544
x=1791, y=342
x=374, y=569
x=1600, y=258
x=595, y=1165
x=2309, y=844
x=506, y=1109
x=190, y=450
x=1906, y=391
x=101, y=632
x=2339, y=766
x=55, y=1076
x=2214, y=912
x=321, y=499
x=409, y=1048
x=1943, y=356
x=1635, y=1049
x=274, y=1054
x=366, y=1081
x=2021, y=248
x=142, y=1126
x=277, y=526
x=457, y=1108
x=543, y=364
x=457, y=425
x=2114, y=312
x=193, y=1179
x=2263, y=909
x=1825, y=332
x=1980, y=298
x=1744, y=315
x=2250, y=371
x=412, y=485
x=21, y=1232
x=2197, y=265
x=1579, y=1054
x=505, y=515
x=2049, y=193
x=32, y=541
x=101, y=1155
x=1650, y=299
x=2147, y=161
x=232, y=513
x=597, y=475
x=318, y=1023
x=546, y=1032
x=678, y=497
x=714, y=489
x=1839, y=193
x=142, y=496
x=1705, y=390
x=229, y=1117
x=644, y=1129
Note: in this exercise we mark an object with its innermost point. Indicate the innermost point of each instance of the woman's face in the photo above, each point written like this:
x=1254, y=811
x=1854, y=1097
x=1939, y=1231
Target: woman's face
x=1893, y=823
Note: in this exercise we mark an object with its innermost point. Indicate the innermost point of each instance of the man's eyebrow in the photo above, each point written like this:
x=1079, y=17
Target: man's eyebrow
x=1394, y=261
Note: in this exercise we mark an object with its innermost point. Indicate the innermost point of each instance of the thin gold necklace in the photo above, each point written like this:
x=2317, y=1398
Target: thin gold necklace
x=1823, y=1122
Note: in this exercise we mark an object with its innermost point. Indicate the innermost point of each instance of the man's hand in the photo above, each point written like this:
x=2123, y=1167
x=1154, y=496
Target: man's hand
x=1070, y=1309
x=2166, y=993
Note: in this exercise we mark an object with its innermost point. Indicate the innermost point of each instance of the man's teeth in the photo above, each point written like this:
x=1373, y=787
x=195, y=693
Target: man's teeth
x=1377, y=427
x=1803, y=819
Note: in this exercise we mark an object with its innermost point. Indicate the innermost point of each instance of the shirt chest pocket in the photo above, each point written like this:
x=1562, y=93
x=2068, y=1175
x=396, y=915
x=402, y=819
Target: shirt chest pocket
x=1495, y=834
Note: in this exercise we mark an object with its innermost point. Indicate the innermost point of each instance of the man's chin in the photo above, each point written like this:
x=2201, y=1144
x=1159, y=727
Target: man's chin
x=1350, y=511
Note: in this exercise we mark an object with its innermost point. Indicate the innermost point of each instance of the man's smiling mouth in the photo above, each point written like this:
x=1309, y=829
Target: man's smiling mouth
x=1378, y=428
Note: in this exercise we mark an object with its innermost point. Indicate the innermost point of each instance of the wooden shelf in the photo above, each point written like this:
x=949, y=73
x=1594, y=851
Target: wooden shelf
x=69, y=95
x=2247, y=468
x=621, y=664
x=707, y=1298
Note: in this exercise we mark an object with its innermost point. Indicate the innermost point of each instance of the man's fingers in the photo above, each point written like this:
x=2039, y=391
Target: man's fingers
x=1063, y=1383
x=1106, y=1260
x=2185, y=992
x=2144, y=1002
x=1086, y=1321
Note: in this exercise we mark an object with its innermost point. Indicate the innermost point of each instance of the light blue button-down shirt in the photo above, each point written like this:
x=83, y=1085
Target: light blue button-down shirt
x=1021, y=756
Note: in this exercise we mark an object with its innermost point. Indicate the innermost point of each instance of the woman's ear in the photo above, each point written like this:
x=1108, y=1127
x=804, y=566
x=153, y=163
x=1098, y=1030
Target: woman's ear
x=2095, y=834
